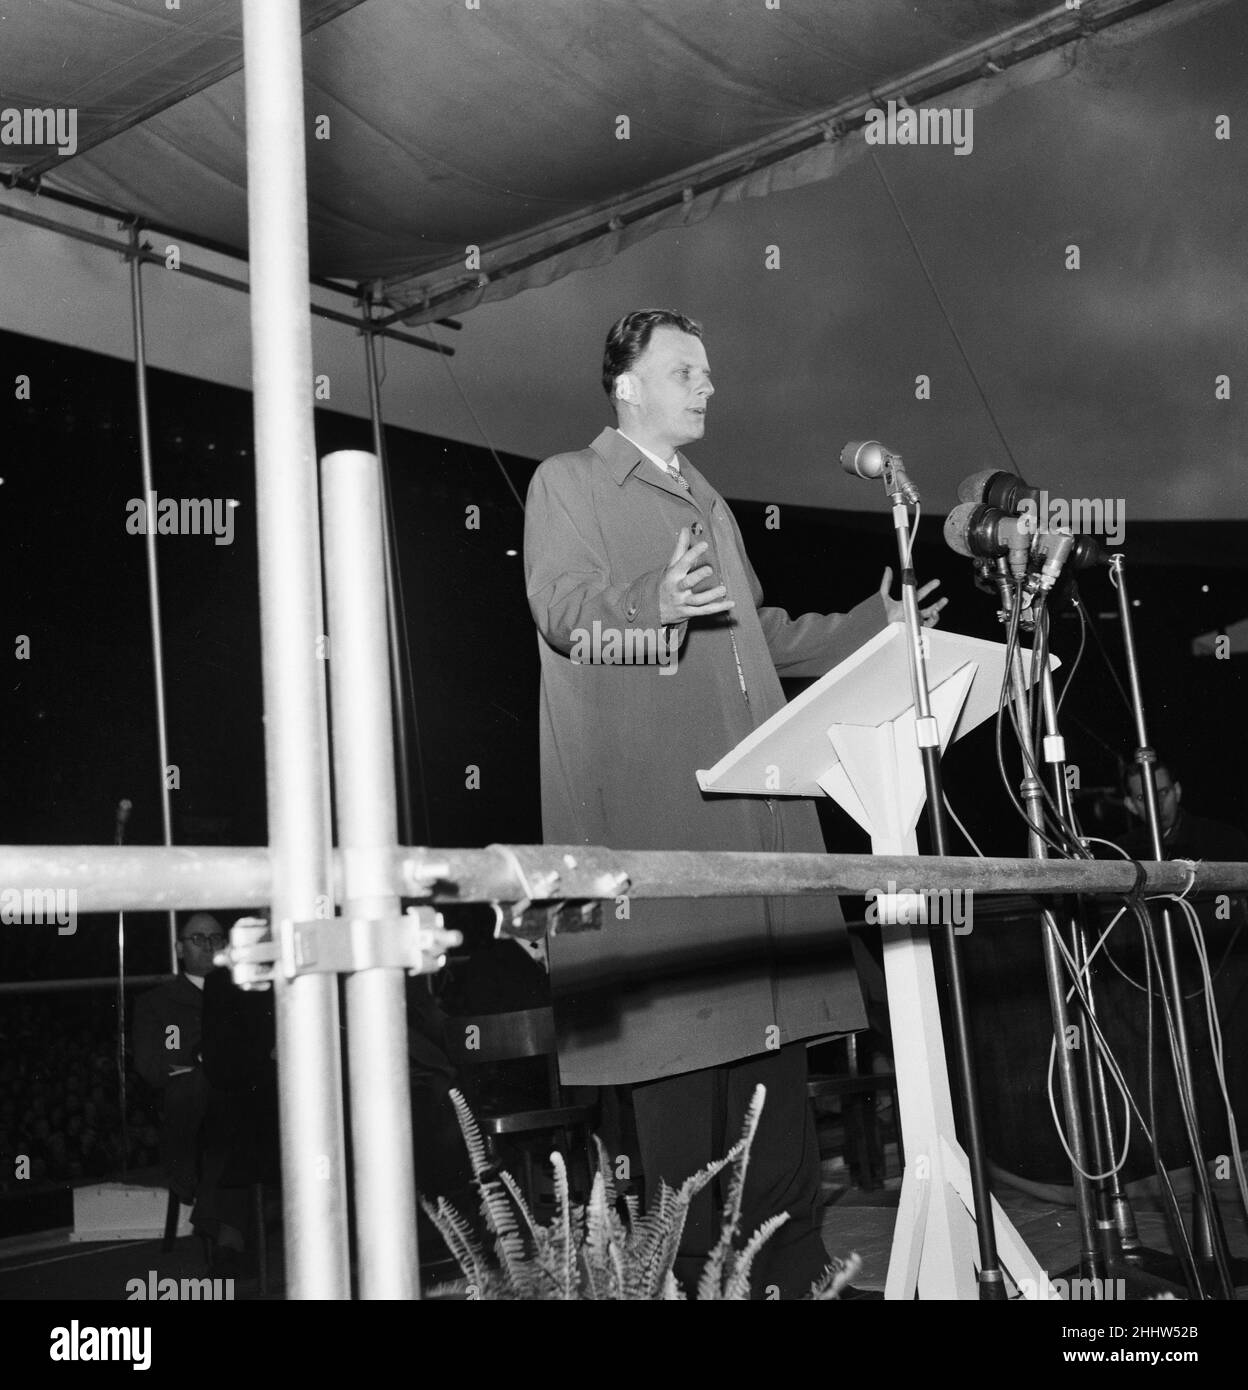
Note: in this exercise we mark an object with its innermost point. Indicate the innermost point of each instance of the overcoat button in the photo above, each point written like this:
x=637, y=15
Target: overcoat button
x=697, y=528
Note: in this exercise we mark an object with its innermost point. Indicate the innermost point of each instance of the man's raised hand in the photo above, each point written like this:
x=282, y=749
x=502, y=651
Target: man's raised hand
x=896, y=609
x=677, y=600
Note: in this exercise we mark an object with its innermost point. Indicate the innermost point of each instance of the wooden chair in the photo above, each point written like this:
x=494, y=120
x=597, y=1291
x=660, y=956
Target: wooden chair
x=857, y=1090
x=497, y=1039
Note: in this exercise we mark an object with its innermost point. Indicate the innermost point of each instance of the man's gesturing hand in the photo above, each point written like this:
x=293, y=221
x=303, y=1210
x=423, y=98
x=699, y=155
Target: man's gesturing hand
x=677, y=601
x=928, y=616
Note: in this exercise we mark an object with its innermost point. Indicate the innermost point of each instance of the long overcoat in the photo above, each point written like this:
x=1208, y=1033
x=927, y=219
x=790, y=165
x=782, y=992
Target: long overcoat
x=669, y=986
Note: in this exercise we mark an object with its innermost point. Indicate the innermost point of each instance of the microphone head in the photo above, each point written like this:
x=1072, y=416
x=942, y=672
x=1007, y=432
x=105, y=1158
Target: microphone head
x=994, y=488
x=864, y=458
x=1086, y=553
x=957, y=529
x=974, y=488
x=125, y=806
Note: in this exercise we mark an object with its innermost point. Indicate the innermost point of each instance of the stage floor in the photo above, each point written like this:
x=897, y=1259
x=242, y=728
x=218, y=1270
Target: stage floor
x=49, y=1266
x=858, y=1221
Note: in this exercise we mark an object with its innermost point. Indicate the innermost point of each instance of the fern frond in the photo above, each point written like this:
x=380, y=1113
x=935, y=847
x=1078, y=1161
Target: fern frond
x=567, y=1272
x=741, y=1150
x=473, y=1141
x=646, y=1238
x=658, y=1237
x=460, y=1239
x=833, y=1279
x=606, y=1170
x=598, y=1233
x=497, y=1211
x=513, y=1191
x=710, y=1285
x=738, y=1286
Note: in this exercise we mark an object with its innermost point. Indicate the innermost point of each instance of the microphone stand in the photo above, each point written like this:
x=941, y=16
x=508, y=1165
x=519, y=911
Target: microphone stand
x=990, y=1277
x=1207, y=1216
x=1092, y=1258
x=1117, y=1239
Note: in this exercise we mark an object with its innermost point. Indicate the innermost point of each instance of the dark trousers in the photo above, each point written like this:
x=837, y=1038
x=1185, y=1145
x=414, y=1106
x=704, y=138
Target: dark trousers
x=684, y=1122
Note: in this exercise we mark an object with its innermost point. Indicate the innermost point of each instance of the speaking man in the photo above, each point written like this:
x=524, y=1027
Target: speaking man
x=658, y=657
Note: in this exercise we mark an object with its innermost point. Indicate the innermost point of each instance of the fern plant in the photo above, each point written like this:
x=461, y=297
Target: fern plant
x=590, y=1251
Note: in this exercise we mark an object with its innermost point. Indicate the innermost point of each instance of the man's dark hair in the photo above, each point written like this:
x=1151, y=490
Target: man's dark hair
x=630, y=336
x=1131, y=773
x=188, y=915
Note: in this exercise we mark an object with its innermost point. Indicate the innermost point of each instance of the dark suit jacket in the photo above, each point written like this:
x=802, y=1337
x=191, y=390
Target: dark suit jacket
x=167, y=1032
x=167, y=1029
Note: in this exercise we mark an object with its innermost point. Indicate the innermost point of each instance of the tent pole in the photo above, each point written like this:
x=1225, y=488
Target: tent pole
x=364, y=800
x=153, y=576
x=291, y=624
x=399, y=665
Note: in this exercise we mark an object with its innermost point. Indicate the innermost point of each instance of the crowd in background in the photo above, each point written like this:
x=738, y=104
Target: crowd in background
x=59, y=1094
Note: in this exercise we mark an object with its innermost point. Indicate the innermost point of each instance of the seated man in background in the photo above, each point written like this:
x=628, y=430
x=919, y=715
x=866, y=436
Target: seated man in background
x=1188, y=836
x=1183, y=834
x=198, y=1133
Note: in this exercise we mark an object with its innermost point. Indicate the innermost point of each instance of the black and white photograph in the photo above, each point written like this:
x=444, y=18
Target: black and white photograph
x=625, y=667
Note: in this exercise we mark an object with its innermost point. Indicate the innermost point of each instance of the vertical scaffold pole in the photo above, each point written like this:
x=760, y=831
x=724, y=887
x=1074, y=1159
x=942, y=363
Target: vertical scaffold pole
x=399, y=664
x=153, y=574
x=364, y=797
x=292, y=637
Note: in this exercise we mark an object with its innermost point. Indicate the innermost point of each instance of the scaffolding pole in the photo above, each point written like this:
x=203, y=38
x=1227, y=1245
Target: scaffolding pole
x=400, y=664
x=379, y=1086
x=146, y=878
x=153, y=574
x=292, y=636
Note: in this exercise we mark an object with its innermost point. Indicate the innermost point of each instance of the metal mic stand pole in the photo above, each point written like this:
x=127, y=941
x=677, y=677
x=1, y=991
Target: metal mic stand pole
x=1207, y=1217
x=990, y=1277
x=1118, y=1239
x=1090, y=1257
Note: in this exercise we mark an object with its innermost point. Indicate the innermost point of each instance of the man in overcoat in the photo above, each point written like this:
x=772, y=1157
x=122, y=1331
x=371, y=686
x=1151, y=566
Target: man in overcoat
x=657, y=658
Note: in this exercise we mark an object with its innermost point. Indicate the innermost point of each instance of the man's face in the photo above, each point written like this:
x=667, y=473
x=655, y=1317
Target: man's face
x=1169, y=794
x=201, y=939
x=672, y=385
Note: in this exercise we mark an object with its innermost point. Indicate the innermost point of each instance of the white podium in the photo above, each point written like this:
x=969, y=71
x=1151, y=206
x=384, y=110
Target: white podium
x=852, y=736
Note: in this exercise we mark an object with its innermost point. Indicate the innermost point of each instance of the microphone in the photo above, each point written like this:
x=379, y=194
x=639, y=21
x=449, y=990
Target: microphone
x=1053, y=549
x=994, y=488
x=124, y=807
x=868, y=458
x=983, y=533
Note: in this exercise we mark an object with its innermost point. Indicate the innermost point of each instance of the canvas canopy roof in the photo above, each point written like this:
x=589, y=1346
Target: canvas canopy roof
x=548, y=133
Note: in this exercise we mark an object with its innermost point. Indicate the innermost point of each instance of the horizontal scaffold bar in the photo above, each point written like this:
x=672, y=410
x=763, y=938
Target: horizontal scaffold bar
x=107, y=878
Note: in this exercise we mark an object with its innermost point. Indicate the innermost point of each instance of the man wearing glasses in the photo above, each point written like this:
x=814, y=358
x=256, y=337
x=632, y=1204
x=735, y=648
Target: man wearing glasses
x=168, y=1054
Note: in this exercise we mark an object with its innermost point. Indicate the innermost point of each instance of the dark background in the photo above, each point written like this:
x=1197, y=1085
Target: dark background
x=78, y=724
x=78, y=718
